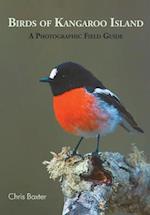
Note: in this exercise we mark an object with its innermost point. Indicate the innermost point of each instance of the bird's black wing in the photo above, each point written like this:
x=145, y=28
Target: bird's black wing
x=111, y=99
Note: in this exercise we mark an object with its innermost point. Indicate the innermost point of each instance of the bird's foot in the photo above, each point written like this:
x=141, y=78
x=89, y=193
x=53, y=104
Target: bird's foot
x=95, y=153
x=74, y=154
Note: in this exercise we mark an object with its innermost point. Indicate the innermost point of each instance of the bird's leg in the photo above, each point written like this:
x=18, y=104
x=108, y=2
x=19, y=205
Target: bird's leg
x=77, y=146
x=98, y=143
x=97, y=146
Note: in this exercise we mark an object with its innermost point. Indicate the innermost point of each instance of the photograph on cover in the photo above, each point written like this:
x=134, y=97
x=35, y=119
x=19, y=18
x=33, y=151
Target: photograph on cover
x=74, y=107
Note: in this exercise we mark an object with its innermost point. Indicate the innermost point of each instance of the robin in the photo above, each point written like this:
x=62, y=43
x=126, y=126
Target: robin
x=83, y=106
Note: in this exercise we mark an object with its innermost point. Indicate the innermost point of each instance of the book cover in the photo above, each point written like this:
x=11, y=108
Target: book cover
x=110, y=39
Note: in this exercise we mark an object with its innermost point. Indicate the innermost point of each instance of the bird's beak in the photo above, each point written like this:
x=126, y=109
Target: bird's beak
x=45, y=79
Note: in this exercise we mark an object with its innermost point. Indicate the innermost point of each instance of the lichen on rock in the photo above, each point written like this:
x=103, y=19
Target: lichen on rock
x=102, y=183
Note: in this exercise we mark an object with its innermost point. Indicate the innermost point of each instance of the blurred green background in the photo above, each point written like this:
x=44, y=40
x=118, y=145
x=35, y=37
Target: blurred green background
x=28, y=127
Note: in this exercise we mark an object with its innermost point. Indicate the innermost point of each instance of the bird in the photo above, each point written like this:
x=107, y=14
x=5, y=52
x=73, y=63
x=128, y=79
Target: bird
x=83, y=106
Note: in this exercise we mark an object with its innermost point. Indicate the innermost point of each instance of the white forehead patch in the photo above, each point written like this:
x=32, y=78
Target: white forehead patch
x=53, y=73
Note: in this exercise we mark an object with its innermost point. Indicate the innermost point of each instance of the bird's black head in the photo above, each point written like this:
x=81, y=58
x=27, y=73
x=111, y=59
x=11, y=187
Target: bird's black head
x=69, y=75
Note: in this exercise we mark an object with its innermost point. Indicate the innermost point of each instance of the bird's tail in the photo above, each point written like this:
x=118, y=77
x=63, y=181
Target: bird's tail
x=131, y=126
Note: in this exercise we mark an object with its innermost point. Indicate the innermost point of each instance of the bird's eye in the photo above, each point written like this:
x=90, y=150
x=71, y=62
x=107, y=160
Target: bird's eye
x=53, y=73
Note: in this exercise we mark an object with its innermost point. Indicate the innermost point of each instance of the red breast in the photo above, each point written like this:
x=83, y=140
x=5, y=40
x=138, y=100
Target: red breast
x=77, y=110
